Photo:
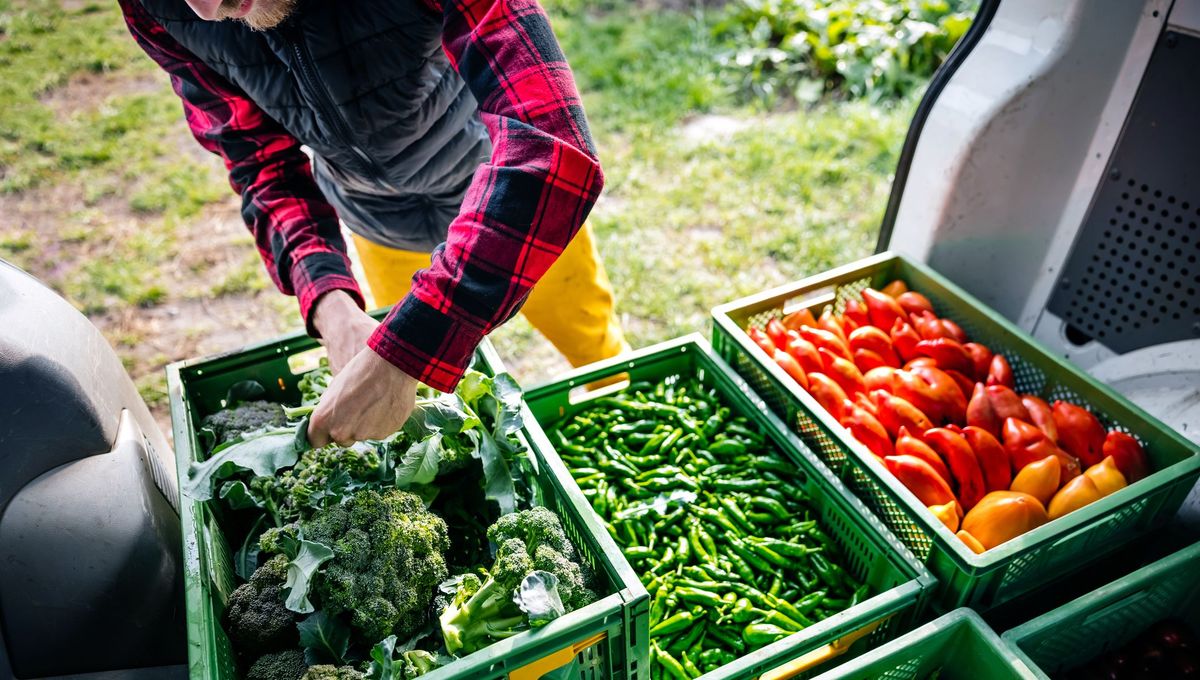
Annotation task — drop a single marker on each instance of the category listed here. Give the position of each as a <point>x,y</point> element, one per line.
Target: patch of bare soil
<point>85,90</point>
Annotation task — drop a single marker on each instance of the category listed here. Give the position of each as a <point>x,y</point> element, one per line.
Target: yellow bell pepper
<point>972,542</point>
<point>1003,515</point>
<point>1074,495</point>
<point>1039,479</point>
<point>949,513</point>
<point>1107,476</point>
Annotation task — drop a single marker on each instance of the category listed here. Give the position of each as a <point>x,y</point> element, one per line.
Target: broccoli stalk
<point>529,542</point>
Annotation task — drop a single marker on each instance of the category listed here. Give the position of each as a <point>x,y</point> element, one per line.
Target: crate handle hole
<point>601,387</point>
<point>811,300</point>
<point>303,362</point>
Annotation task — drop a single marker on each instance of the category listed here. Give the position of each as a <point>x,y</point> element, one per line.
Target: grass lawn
<point>108,199</point>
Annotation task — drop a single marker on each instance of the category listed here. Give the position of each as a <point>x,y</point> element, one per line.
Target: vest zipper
<point>327,108</point>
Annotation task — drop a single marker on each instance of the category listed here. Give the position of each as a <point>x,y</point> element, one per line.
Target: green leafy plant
<point>802,49</point>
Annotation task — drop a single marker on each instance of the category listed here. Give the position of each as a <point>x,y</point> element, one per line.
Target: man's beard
<point>264,14</point>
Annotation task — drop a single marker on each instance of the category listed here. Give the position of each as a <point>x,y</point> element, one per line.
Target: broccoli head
<point>314,383</point>
<point>249,416</point>
<point>528,541</point>
<point>323,472</point>
<point>286,665</point>
<point>550,550</point>
<point>389,557</point>
<point>256,617</point>
<point>330,672</point>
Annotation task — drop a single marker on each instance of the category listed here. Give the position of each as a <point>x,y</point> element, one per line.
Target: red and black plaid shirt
<point>521,209</point>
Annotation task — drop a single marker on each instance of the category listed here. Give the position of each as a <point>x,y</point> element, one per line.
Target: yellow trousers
<point>572,305</point>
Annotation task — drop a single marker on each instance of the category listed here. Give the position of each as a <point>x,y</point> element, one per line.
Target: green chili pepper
<point>686,641</point>
<point>729,641</point>
<point>772,506</point>
<point>739,484</point>
<point>726,447</point>
<point>831,574</point>
<point>735,513</point>
<point>696,596</point>
<point>689,667</point>
<point>743,551</point>
<point>710,546</point>
<point>763,634</point>
<point>671,667</point>
<point>674,623</point>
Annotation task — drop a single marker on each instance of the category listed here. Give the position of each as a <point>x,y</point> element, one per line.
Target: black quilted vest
<point>365,85</point>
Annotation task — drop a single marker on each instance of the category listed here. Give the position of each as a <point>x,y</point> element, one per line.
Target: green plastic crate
<point>959,645</point>
<point>900,585</point>
<point>607,639</point>
<point>1017,566</point>
<point>1108,618</point>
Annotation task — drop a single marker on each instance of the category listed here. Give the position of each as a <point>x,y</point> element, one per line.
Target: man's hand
<point>369,399</point>
<point>344,328</point>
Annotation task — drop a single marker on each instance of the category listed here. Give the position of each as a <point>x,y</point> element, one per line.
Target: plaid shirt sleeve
<point>294,227</point>
<point>522,207</point>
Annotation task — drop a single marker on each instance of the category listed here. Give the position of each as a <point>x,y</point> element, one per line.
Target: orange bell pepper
<point>1106,476</point>
<point>1002,516</point>
<point>972,542</point>
<point>949,513</point>
<point>1039,479</point>
<point>1075,494</point>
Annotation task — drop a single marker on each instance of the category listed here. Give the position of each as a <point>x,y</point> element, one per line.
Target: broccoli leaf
<point>498,482</point>
<point>497,398</point>
<point>447,414</point>
<point>507,394</point>
<point>245,560</point>
<point>538,597</point>
<point>325,638</point>
<point>238,496</point>
<point>419,464</point>
<point>383,666</point>
<point>301,569</point>
<point>263,453</point>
